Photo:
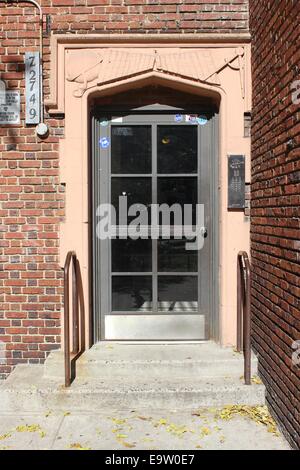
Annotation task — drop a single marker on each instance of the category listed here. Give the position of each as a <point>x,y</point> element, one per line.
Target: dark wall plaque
<point>236,182</point>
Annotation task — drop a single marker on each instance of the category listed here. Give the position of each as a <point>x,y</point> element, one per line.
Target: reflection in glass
<point>131,255</point>
<point>178,294</point>
<point>173,256</point>
<point>177,191</point>
<point>177,149</point>
<point>131,149</point>
<point>137,190</point>
<point>131,293</point>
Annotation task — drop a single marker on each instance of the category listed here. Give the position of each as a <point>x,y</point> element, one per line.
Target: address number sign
<point>32,84</point>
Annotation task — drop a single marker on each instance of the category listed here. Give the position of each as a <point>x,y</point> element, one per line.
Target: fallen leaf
<point>29,428</point>
<point>147,439</point>
<point>78,446</point>
<point>118,421</point>
<point>5,436</point>
<point>259,414</point>
<point>205,431</point>
<point>128,445</point>
<point>162,422</point>
<point>256,380</point>
<point>176,430</point>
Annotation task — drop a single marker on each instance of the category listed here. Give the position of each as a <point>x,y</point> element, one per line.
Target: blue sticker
<point>104,142</point>
<point>104,122</point>
<point>202,120</point>
<point>178,118</point>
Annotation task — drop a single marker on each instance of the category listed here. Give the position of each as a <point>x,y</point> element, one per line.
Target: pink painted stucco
<point>230,87</point>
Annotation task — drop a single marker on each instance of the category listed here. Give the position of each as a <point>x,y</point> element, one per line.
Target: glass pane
<point>173,256</point>
<point>177,149</point>
<point>131,293</point>
<point>137,190</point>
<point>177,191</point>
<point>178,294</point>
<point>131,149</point>
<point>131,255</point>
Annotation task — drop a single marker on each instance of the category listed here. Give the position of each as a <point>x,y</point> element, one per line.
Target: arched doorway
<point>154,145</point>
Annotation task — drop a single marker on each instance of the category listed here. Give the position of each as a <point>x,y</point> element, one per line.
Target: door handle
<point>204,232</point>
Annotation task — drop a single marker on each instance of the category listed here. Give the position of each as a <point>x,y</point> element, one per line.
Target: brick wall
<point>276,205</point>
<point>32,200</point>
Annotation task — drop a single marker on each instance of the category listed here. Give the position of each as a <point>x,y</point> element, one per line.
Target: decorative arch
<point>82,70</point>
<point>87,65</point>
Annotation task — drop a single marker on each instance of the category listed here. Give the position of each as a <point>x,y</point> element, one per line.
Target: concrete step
<point>27,389</point>
<point>190,361</point>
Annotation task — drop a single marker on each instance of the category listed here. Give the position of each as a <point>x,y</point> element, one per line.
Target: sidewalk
<point>229,428</point>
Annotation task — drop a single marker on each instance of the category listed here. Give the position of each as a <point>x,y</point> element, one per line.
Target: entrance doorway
<point>155,287</point>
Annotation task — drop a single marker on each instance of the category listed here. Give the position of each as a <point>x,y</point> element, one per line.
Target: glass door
<point>151,286</point>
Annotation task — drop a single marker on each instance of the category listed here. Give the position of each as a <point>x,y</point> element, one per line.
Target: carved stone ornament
<point>102,66</point>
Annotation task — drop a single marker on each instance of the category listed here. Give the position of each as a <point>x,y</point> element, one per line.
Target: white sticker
<point>2,92</point>
<point>104,122</point>
<point>10,111</point>
<point>191,118</point>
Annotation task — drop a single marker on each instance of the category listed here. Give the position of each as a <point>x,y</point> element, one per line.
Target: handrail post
<point>67,322</point>
<point>247,322</point>
<point>75,322</point>
<point>244,312</point>
<point>78,327</point>
<point>239,308</point>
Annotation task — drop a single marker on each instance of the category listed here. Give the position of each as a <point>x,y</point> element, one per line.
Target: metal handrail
<point>78,317</point>
<point>244,312</point>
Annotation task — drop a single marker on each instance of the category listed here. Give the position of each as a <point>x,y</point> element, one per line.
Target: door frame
<point>213,329</point>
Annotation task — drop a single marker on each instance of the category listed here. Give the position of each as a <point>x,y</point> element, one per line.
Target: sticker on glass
<point>104,142</point>
<point>104,122</point>
<point>178,118</point>
<point>191,118</point>
<point>202,120</point>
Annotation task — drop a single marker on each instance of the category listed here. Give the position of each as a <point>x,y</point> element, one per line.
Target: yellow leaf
<point>162,422</point>
<point>147,439</point>
<point>29,428</point>
<point>256,380</point>
<point>118,421</point>
<point>67,413</point>
<point>259,414</point>
<point>205,431</point>
<point>121,436</point>
<point>127,444</point>
<point>5,436</point>
<point>78,446</point>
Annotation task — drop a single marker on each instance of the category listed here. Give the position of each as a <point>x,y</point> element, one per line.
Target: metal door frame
<point>210,148</point>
